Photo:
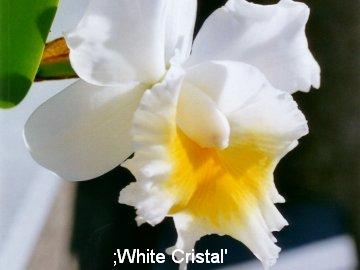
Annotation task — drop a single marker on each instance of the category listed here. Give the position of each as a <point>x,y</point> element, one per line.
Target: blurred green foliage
<point>24,27</point>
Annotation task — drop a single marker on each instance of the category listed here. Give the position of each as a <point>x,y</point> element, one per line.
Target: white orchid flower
<point>207,128</point>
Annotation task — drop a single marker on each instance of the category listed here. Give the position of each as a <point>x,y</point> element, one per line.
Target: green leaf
<point>55,63</point>
<point>24,27</point>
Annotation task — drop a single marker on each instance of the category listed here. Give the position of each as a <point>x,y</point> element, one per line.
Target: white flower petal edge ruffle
<point>153,127</point>
<point>271,38</point>
<point>268,113</point>
<point>84,131</point>
<point>125,42</point>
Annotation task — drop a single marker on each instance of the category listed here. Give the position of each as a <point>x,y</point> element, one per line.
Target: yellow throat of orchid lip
<point>215,185</point>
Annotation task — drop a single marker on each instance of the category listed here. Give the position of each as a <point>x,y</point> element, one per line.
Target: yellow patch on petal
<point>215,185</point>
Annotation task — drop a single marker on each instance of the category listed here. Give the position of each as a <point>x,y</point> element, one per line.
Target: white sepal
<point>84,131</point>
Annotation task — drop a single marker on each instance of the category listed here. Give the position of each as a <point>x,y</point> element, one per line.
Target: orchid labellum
<point>208,120</point>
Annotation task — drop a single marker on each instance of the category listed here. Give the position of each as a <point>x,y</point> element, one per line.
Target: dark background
<point>320,178</point>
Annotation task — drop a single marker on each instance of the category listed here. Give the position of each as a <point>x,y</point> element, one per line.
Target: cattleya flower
<point>208,120</point>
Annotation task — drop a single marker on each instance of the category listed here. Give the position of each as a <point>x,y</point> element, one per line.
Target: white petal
<point>201,120</point>
<point>154,122</point>
<point>257,237</point>
<point>229,84</point>
<point>180,24</point>
<point>120,42</point>
<point>84,131</point>
<point>271,38</point>
<point>274,193</point>
<point>271,113</point>
<point>274,220</point>
<point>152,205</point>
<point>189,232</point>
